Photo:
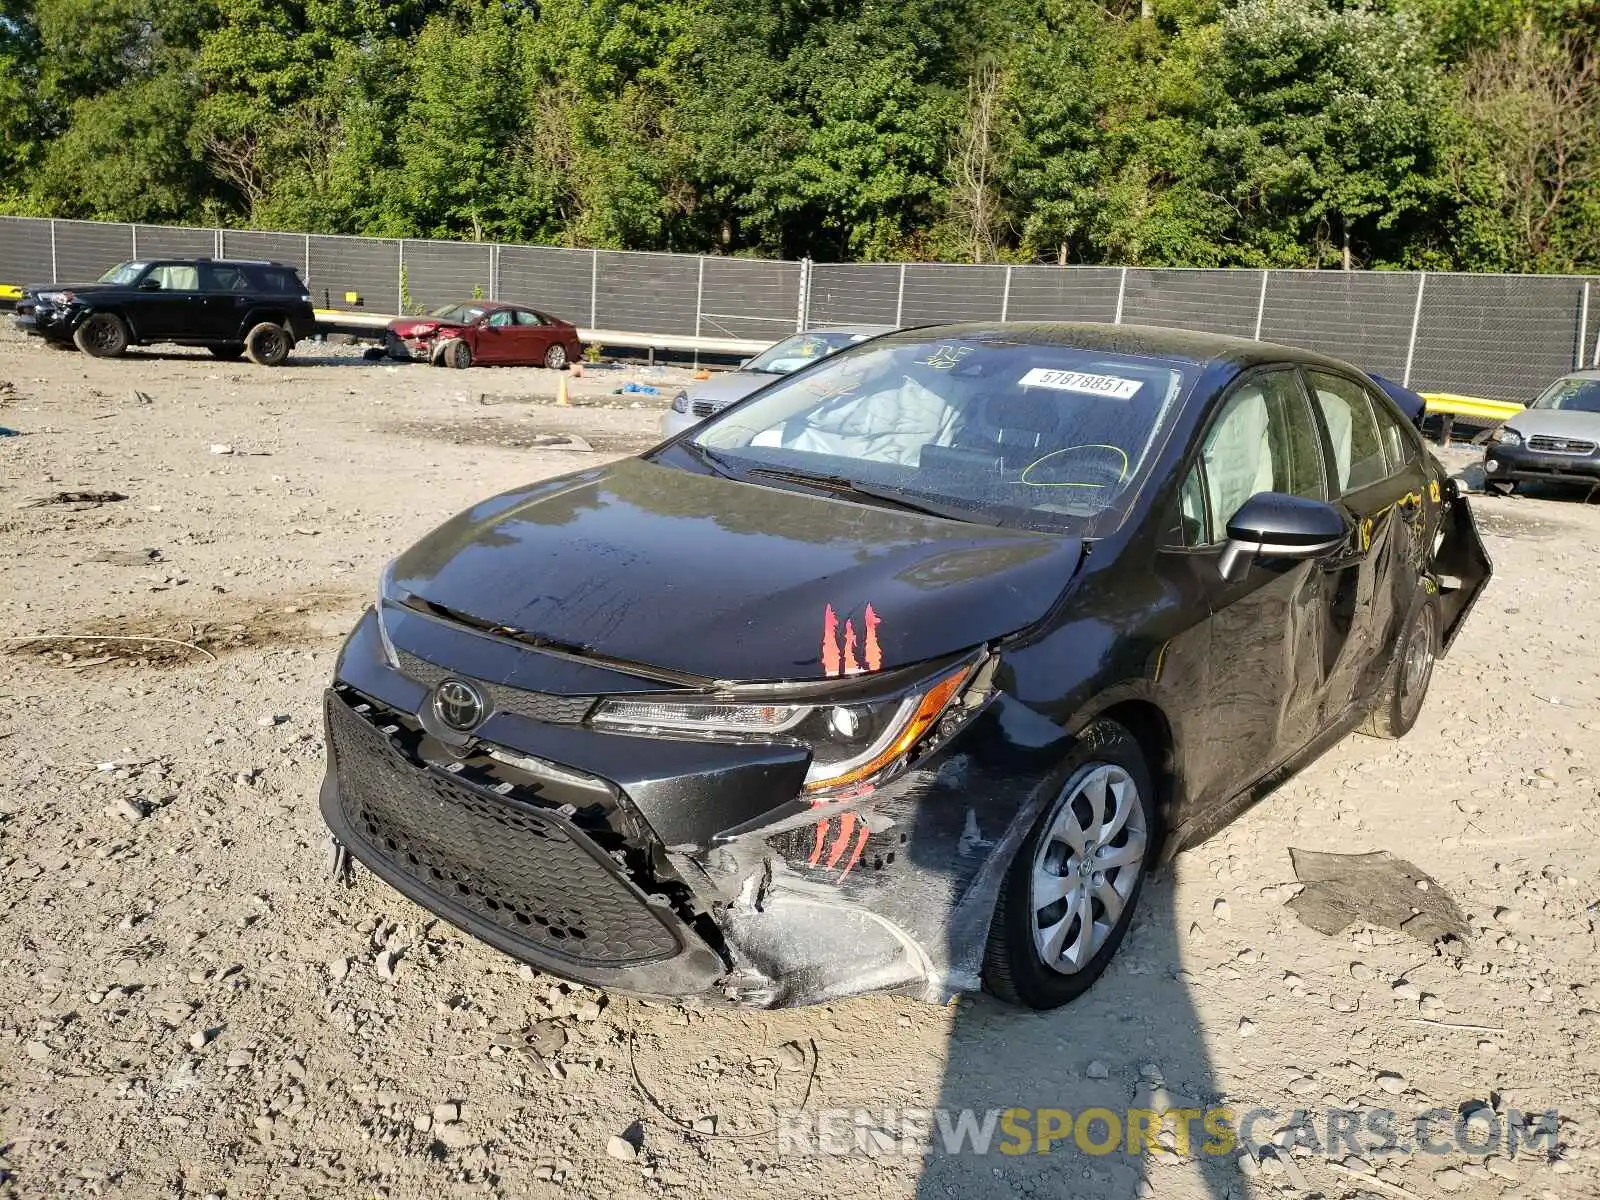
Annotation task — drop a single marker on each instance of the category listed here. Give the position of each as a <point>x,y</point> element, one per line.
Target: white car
<point>705,397</point>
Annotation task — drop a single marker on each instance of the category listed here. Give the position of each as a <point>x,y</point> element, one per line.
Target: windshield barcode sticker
<point>1076,381</point>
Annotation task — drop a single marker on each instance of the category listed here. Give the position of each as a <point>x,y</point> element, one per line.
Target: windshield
<point>123,273</point>
<point>1572,395</point>
<point>802,349</point>
<point>1027,433</point>
<point>465,314</point>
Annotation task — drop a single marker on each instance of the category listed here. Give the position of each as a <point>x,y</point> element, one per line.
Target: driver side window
<point>1264,439</point>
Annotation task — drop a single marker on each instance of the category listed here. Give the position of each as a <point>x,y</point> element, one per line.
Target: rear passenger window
<point>278,281</point>
<point>1397,447</point>
<point>1358,453</point>
<point>525,317</point>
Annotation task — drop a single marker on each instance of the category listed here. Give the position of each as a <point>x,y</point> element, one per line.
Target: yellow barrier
<point>10,291</point>
<point>1471,407</point>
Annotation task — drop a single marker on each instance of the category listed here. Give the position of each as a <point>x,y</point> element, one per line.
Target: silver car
<point>1557,437</point>
<point>708,396</point>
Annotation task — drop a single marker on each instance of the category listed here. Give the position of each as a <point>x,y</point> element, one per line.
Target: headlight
<point>1506,436</point>
<point>849,743</point>
<point>385,591</point>
<point>56,297</point>
<point>680,402</point>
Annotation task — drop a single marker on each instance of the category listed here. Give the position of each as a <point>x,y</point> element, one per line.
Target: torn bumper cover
<point>671,869</point>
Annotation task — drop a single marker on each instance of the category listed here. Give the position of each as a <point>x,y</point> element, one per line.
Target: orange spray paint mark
<point>855,854</point>
<point>851,666</point>
<point>822,836</point>
<point>830,643</point>
<point>874,655</point>
<point>847,823</point>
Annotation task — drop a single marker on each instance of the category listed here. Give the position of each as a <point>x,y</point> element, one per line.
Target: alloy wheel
<point>1087,866</point>
<point>1417,669</point>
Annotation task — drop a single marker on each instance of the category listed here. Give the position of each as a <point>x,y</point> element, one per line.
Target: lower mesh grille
<point>529,872</point>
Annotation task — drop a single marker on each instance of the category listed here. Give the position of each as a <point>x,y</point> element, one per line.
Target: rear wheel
<point>267,345</point>
<point>1070,895</point>
<point>1405,686</point>
<point>102,335</point>
<point>556,357</point>
<point>227,353</point>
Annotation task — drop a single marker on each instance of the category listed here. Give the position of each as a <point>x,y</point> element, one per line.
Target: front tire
<point>1405,684</point>
<point>267,345</point>
<point>556,357</point>
<point>103,335</point>
<point>1070,895</point>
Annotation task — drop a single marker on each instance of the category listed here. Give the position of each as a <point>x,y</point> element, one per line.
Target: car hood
<point>724,389</point>
<point>732,581</point>
<point>408,326</point>
<point>1552,422</point>
<point>78,289</point>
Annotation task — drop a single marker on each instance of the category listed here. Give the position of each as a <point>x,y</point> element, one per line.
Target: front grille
<point>536,706</point>
<point>706,408</point>
<point>1560,445</point>
<point>525,870</point>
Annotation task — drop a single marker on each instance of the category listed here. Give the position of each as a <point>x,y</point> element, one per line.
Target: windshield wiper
<point>891,496</point>
<point>719,463</point>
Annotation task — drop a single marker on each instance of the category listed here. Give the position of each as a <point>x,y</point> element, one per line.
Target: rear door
<point>167,302</point>
<point>225,291</point>
<point>1381,481</point>
<point>1264,669</point>
<point>537,336</point>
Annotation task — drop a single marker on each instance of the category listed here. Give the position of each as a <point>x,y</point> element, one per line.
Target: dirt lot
<point>189,1007</point>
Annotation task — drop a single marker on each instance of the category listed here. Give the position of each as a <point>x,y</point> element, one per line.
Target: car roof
<point>1586,373</point>
<point>1149,340</point>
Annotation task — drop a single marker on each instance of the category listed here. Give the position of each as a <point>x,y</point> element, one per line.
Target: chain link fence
<point>1494,336</point>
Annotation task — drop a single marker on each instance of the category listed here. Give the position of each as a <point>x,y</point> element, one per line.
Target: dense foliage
<point>1444,133</point>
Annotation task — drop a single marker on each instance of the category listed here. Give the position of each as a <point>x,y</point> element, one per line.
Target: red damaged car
<point>484,332</point>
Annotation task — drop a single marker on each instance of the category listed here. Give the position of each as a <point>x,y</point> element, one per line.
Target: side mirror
<point>149,284</point>
<point>1277,525</point>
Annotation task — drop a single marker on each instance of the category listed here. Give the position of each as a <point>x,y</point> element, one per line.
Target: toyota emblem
<point>458,704</point>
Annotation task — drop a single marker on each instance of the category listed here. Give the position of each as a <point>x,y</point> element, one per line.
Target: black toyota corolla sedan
<point>901,674</point>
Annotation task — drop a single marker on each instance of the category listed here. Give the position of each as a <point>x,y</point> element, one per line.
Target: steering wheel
<point>1094,467</point>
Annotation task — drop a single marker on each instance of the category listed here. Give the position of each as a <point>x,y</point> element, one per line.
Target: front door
<point>167,302</point>
<point>497,335</point>
<point>1264,668</point>
<point>1382,486</point>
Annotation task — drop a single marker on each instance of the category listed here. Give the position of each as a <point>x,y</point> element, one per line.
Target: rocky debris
<point>621,1149</point>
<point>1097,1070</point>
<point>1391,1082</point>
<point>791,1056</point>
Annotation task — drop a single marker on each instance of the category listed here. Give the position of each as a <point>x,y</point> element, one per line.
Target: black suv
<point>230,307</point>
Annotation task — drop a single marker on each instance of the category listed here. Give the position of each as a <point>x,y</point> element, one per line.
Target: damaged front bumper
<point>671,869</point>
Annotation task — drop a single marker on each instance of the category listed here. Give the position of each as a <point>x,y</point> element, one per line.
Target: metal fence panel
<point>748,298</point>
<point>86,250</point>
<point>171,241</point>
<point>286,248</point>
<point>438,273</point>
<point>1210,301</point>
<point>548,278</point>
<point>854,294</point>
<point>25,251</point>
<point>370,267</point>
<point>646,293</point>
<point>946,292</point>
<point>1361,317</point>
<point>1501,337</point>
<point>1063,293</point>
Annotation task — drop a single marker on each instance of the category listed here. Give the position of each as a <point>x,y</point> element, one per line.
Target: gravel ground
<point>188,1007</point>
